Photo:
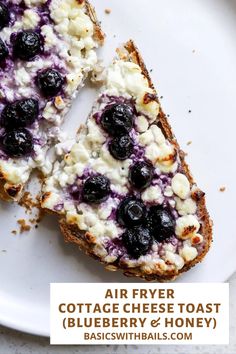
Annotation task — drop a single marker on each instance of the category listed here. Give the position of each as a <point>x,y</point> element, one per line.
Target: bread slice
<point>69,33</point>
<point>99,229</point>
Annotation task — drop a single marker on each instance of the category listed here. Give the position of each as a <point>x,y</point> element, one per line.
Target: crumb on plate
<point>27,201</point>
<point>24,227</point>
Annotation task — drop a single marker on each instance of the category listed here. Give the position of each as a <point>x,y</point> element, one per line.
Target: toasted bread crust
<point>8,191</point>
<point>74,235</point>
<point>12,193</point>
<point>99,35</point>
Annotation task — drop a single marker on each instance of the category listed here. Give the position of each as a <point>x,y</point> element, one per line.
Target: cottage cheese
<point>90,155</point>
<point>181,185</point>
<point>187,206</point>
<point>69,45</point>
<point>187,226</point>
<point>30,19</point>
<point>126,78</point>
<point>153,194</point>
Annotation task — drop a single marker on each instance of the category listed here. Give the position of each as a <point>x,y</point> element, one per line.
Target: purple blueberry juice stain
<point>174,241</point>
<point>112,216</point>
<point>15,10</point>
<point>2,155</point>
<point>58,207</point>
<point>115,247</point>
<point>116,195</point>
<point>138,153</point>
<point>44,14</point>
<point>75,192</point>
<point>200,248</point>
<point>111,99</point>
<point>87,173</point>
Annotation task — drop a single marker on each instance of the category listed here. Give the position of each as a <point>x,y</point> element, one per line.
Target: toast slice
<point>124,193</point>
<point>47,48</point>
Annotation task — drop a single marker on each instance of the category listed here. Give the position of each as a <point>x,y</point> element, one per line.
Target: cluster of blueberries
<point>17,140</point>
<point>143,225</point>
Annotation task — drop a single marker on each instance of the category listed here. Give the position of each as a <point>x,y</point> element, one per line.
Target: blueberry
<point>26,45</point>
<point>20,113</point>
<point>118,119</point>
<point>17,143</point>
<point>161,222</point>
<point>96,189</point>
<point>141,174</point>
<point>3,50</point>
<point>50,82</point>
<point>131,212</point>
<point>4,15</point>
<point>137,241</point>
<point>28,110</point>
<point>121,147</point>
<point>9,116</point>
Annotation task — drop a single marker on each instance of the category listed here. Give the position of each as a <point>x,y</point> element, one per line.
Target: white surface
<point>190,45</point>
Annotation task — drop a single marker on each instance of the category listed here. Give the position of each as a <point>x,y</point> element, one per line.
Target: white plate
<point>190,45</point>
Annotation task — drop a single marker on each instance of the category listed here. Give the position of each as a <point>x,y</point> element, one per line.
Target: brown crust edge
<point>99,35</point>
<point>74,235</point>
<point>10,192</point>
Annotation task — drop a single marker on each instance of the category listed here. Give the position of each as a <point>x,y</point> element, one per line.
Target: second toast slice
<point>124,193</point>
